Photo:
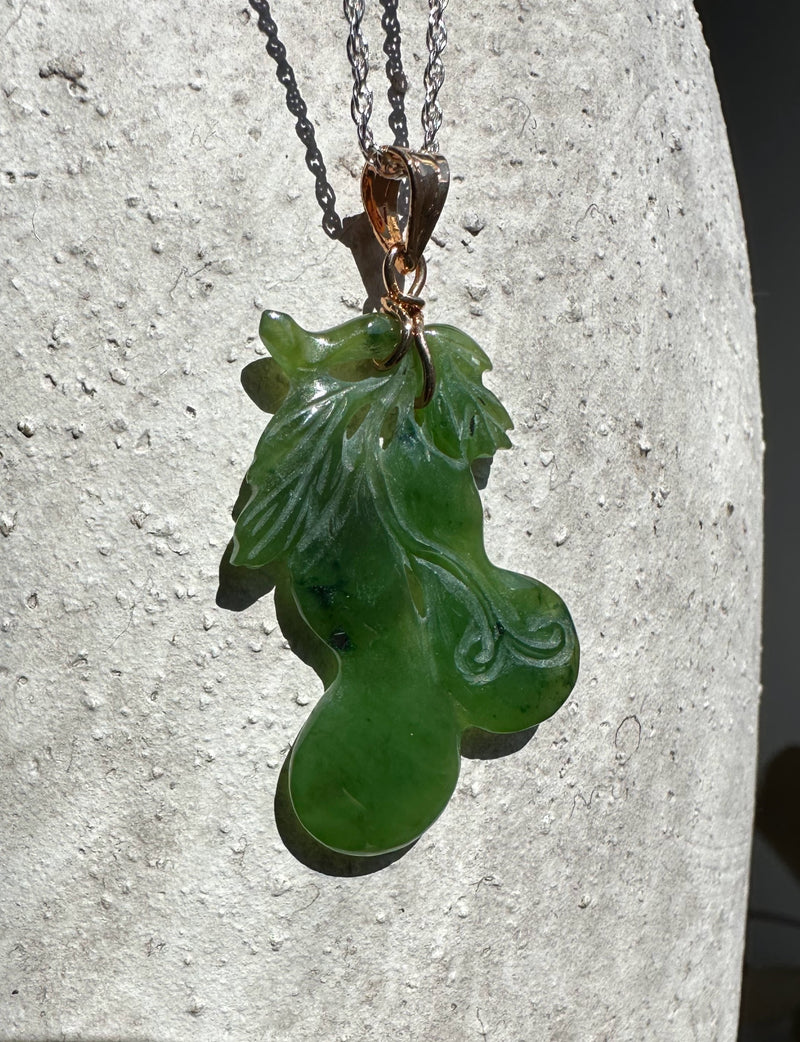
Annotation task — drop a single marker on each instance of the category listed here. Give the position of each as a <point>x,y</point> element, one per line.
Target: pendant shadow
<point>477,744</point>
<point>481,469</point>
<point>314,855</point>
<point>358,236</point>
<point>265,384</point>
<point>238,588</point>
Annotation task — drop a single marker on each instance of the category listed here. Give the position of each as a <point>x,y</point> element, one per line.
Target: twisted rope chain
<point>358,55</point>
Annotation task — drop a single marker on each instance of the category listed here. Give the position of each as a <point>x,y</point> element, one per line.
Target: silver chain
<point>358,55</point>
<point>434,75</point>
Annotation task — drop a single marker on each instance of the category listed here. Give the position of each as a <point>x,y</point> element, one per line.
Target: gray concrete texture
<point>588,887</point>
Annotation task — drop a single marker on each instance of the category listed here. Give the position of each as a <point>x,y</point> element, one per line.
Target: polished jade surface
<point>370,508</point>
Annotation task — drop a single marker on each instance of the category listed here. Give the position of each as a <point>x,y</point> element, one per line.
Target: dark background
<point>755,50</point>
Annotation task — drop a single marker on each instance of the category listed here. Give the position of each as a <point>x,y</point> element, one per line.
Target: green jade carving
<point>371,510</point>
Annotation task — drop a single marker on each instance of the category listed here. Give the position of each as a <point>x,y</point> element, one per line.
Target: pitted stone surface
<point>590,886</point>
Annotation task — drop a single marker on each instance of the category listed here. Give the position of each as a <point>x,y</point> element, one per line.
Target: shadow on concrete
<point>304,128</point>
<point>355,233</point>
<point>314,855</point>
<point>477,744</point>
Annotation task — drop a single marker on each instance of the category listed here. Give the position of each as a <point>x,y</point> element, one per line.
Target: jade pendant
<point>369,509</point>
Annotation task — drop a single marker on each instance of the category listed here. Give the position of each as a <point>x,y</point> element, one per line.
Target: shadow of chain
<point>326,197</point>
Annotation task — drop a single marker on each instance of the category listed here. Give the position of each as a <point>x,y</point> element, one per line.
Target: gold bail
<point>382,182</point>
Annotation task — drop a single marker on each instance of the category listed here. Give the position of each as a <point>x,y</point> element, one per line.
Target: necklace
<point>361,503</point>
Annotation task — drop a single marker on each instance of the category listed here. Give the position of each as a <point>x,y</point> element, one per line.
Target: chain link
<point>434,75</point>
<point>358,56</point>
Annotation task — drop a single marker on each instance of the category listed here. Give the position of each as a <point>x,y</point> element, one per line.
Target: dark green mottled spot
<point>339,640</point>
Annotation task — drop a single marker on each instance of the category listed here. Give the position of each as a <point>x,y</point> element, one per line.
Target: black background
<point>755,51</point>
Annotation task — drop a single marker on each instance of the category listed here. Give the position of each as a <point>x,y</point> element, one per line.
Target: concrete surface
<point>588,887</point>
